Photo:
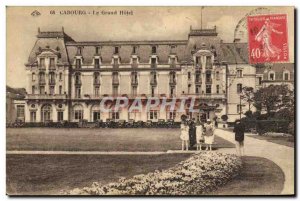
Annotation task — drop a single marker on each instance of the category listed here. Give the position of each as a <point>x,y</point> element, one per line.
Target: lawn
<point>259,176</point>
<point>139,139</point>
<point>286,141</point>
<point>48,174</point>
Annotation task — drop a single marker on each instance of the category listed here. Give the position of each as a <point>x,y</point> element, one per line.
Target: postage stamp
<point>267,38</point>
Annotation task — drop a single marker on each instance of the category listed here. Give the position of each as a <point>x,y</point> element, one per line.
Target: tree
<point>248,96</point>
<point>272,99</point>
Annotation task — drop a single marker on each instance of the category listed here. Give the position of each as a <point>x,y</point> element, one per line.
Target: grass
<point>48,174</point>
<point>140,139</point>
<point>286,141</point>
<point>259,176</point>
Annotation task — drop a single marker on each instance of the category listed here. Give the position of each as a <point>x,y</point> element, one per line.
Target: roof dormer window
<point>134,49</point>
<point>116,50</point>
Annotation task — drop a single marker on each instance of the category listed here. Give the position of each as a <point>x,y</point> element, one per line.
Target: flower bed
<point>201,173</point>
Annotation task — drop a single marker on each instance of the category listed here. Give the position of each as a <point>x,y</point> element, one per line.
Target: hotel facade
<point>67,79</point>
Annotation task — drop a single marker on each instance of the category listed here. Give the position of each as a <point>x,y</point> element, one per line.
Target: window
<point>153,114</point>
<point>189,75</point>
<point>60,89</point>
<point>79,50</point>
<point>238,108</point>
<point>134,48</point>
<point>60,116</point>
<point>134,90</point>
<point>172,60</point>
<point>197,60</point>
<point>208,77</point>
<point>189,88</point>
<point>272,76</point>
<point>239,73</point>
<point>218,75</point>
<point>197,77</point>
<point>172,115</point>
<point>198,89</point>
<point>77,79</point>
<point>78,92</point>
<point>115,61</point>
<point>46,113</point>
<point>96,91</point>
<point>33,77</point>
<point>115,115</point>
<point>97,50</point>
<point>218,89</point>
<point>97,63</point>
<point>153,50</point>
<point>42,62</point>
<point>115,90</point>
<point>51,89</point>
<point>52,62</point>
<point>33,90</point>
<point>60,76</point>
<point>42,90</point>
<point>208,62</point>
<point>286,76</point>
<point>51,78</point>
<point>239,88</point>
<point>153,60</point>
<point>20,111</point>
<point>152,91</point>
<point>208,89</point>
<point>172,91</point>
<point>78,112</point>
<point>116,50</point>
<point>96,78</point>
<point>32,116</point>
<point>134,60</point>
<point>259,80</point>
<point>78,63</point>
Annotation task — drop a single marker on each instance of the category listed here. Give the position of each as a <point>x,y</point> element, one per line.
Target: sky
<point>146,23</point>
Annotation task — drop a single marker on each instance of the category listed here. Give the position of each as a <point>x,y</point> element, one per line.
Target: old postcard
<point>175,101</point>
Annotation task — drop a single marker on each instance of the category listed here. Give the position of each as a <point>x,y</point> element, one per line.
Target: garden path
<point>282,155</point>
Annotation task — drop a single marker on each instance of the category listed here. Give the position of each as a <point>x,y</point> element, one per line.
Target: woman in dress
<point>199,135</point>
<point>184,136</point>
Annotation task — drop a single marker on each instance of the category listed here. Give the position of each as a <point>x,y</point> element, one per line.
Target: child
<point>199,135</point>
<point>209,134</point>
<point>184,136</point>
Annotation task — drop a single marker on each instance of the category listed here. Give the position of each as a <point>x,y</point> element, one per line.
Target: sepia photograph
<point>150,101</point>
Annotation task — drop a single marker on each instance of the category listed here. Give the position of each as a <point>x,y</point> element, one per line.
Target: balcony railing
<point>52,82</point>
<point>153,65</point>
<point>96,82</point>
<point>42,82</point>
<point>208,81</point>
<point>115,81</point>
<point>172,82</point>
<point>153,82</point>
<point>46,96</point>
<point>134,82</point>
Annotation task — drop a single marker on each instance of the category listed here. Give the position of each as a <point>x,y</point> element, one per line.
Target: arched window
<point>271,75</point>
<point>286,75</point>
<point>46,113</point>
<point>77,112</point>
<point>95,111</point>
<point>239,88</point>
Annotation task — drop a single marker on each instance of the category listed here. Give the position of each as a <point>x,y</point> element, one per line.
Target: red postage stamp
<point>267,38</point>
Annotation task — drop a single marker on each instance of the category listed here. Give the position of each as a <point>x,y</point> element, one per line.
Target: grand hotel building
<point>66,79</point>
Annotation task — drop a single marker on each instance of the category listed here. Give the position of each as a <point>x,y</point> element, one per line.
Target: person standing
<point>199,135</point>
<point>192,133</point>
<point>239,131</point>
<point>209,135</point>
<point>184,136</point>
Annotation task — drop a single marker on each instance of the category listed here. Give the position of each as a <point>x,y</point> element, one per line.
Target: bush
<point>291,128</point>
<point>200,174</point>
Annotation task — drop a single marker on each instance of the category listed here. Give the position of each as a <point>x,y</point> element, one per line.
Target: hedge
<point>201,173</point>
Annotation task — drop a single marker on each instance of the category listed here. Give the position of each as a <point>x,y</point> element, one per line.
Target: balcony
<point>134,82</point>
<point>52,82</point>
<point>46,96</point>
<point>52,67</point>
<point>42,82</point>
<point>78,82</point>
<point>153,82</point>
<point>96,82</point>
<point>198,66</point>
<point>172,82</point>
<point>42,67</point>
<point>153,65</point>
<point>208,81</point>
<point>134,65</point>
<point>115,81</point>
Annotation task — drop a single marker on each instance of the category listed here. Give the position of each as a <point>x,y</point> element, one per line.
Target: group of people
<point>197,133</point>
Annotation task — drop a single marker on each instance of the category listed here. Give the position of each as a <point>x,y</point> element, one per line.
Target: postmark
<point>267,38</point>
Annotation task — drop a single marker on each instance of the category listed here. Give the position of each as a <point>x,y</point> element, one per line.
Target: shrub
<point>224,117</point>
<point>291,128</point>
<point>201,173</point>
